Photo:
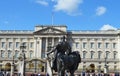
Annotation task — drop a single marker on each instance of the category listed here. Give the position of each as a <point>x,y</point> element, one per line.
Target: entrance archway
<point>92,67</point>
<point>36,65</point>
<point>7,67</point>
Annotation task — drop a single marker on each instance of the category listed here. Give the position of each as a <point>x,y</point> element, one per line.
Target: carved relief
<point>49,30</point>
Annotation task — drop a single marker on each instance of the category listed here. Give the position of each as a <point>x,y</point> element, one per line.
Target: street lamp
<point>22,47</point>
<point>13,64</point>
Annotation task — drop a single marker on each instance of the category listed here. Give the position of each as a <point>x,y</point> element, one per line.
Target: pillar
<point>39,48</point>
<point>35,47</point>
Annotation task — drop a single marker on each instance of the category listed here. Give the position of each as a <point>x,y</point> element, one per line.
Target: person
<point>62,47</point>
<point>38,74</point>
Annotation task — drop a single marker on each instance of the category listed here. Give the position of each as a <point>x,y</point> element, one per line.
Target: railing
<point>100,60</point>
<point>83,60</point>
<point>94,31</point>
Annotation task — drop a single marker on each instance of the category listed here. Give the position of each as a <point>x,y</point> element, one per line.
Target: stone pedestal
<point>49,71</point>
<point>12,70</point>
<point>105,69</point>
<point>21,68</point>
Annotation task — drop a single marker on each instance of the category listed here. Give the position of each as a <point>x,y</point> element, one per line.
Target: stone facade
<point>96,48</point>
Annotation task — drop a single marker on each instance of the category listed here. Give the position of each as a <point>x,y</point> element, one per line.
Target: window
<point>114,45</point>
<point>99,45</point>
<point>31,45</point>
<point>9,53</point>
<point>107,54</point>
<point>16,54</point>
<point>2,54</point>
<point>31,53</point>
<point>84,54</point>
<point>24,44</point>
<point>99,54</point>
<point>77,45</point>
<point>17,45</point>
<point>114,54</point>
<point>10,44</point>
<point>3,44</point>
<point>84,45</point>
<point>91,45</point>
<point>107,45</point>
<point>92,54</point>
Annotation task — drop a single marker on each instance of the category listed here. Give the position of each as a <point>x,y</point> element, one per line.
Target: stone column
<point>39,48</point>
<point>53,41</point>
<point>46,44</point>
<point>35,47</point>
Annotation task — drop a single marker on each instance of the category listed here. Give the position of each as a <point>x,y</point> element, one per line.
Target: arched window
<point>107,54</point>
<point>9,54</point>
<point>16,54</point>
<point>114,54</point>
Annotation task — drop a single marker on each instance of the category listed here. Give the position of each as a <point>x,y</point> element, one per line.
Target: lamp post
<point>13,64</point>
<point>35,65</point>
<point>22,47</point>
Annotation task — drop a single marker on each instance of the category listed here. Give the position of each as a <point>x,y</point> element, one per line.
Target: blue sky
<point>75,14</point>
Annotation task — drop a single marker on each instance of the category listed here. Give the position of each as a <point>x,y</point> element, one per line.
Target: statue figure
<point>65,59</point>
<point>62,47</point>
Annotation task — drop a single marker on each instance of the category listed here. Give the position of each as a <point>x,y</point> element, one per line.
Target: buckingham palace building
<point>97,48</point>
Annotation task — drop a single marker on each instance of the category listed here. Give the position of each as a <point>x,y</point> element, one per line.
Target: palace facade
<point>98,48</point>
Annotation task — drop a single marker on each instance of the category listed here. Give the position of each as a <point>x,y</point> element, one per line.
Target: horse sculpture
<point>68,63</point>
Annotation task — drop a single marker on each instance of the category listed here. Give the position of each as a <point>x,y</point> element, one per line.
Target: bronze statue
<point>64,58</point>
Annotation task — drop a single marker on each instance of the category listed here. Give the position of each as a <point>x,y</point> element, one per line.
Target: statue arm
<point>51,51</point>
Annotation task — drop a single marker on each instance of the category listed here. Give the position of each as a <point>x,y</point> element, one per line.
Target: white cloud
<point>100,11</point>
<point>108,27</point>
<point>68,6</point>
<point>42,2</point>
